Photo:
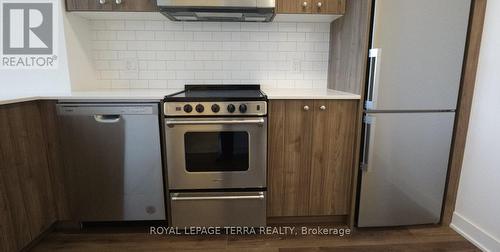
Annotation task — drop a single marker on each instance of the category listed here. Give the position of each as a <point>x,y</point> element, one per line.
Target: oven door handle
<point>176,121</point>
<point>241,197</point>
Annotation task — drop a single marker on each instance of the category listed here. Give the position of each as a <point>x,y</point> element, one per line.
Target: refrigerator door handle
<point>369,123</point>
<point>374,56</point>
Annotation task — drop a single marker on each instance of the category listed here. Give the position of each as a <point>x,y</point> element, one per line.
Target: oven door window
<point>225,151</point>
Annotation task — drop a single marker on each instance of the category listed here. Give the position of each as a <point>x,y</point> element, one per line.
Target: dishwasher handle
<point>107,118</point>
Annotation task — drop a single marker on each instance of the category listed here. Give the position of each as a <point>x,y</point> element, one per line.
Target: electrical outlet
<point>296,65</point>
<point>131,64</point>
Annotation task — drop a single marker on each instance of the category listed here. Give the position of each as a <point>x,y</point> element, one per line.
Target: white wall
<point>28,82</point>
<point>165,54</point>
<point>477,212</point>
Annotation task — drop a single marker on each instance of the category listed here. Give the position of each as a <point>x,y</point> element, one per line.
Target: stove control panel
<point>234,108</point>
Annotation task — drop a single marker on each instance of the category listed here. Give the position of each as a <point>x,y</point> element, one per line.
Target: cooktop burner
<point>218,93</point>
<point>217,100</point>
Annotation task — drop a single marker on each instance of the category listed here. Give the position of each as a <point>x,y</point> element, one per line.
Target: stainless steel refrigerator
<point>414,77</point>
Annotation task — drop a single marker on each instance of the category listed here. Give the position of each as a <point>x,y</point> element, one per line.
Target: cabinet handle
<point>322,107</point>
<point>102,1</point>
<point>118,1</point>
<point>306,108</point>
<point>320,4</point>
<point>304,4</point>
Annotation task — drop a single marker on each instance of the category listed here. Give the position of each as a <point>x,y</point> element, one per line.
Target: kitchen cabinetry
<point>111,5</point>
<point>311,157</point>
<point>336,7</point>
<point>30,199</point>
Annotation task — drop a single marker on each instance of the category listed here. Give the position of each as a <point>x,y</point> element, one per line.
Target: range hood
<point>218,10</point>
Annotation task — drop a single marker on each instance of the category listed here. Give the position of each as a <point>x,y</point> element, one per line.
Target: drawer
<point>218,209</point>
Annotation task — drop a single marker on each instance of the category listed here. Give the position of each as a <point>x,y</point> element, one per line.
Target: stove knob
<point>188,108</point>
<point>215,108</point>
<point>199,108</point>
<point>231,108</point>
<point>243,108</point>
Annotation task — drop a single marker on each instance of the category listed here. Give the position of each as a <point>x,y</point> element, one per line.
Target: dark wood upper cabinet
<point>135,5</point>
<point>293,6</point>
<point>112,5</point>
<point>88,5</point>
<point>336,7</point>
<point>328,7</point>
<point>311,157</point>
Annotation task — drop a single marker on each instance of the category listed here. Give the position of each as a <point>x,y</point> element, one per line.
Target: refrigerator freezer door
<point>404,177</point>
<point>421,48</point>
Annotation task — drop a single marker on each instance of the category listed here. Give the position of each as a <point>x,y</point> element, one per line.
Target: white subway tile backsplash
<point>139,84</point>
<point>152,25</point>
<point>278,36</point>
<point>204,55</point>
<point>146,55</point>
<point>322,27</point>
<point>193,65</point>
<point>137,25</point>
<point>117,65</point>
<point>156,65</point>
<point>192,26</point>
<point>317,36</point>
<point>136,45</point>
<point>165,54</point>
<point>173,26</point>
<point>183,36</point>
<point>147,75</point>
<point>211,26</point>
<point>174,45</point>
<point>164,35</point>
<point>155,45</point>
<point>229,26</point>
<point>120,84</point>
<point>115,25</point>
<point>106,35</point>
<point>117,45</point>
<point>145,35</point>
<point>287,27</point>
<point>296,36</point>
<point>221,36</point>
<point>129,75</point>
<point>110,75</point>
<point>203,36</point>
<point>158,84</point>
<point>259,36</point>
<point>166,75</point>
<point>125,35</point>
<point>212,46</point>
<point>305,27</point>
<point>287,46</point>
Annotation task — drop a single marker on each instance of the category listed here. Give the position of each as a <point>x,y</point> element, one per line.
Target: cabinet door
<point>328,7</point>
<point>289,162</point>
<point>332,157</point>
<point>88,5</point>
<point>134,5</point>
<point>293,6</point>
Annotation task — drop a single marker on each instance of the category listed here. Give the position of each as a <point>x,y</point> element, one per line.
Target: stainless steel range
<point>216,148</point>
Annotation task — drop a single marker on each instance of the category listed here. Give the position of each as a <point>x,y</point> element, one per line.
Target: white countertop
<point>158,94</point>
<point>307,94</point>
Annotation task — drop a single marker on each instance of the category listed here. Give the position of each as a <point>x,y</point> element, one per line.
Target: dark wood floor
<point>400,239</point>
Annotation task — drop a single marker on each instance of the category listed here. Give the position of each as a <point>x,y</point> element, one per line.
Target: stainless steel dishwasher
<point>112,161</point>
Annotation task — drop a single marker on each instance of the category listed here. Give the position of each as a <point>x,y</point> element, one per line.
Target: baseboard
<point>479,237</point>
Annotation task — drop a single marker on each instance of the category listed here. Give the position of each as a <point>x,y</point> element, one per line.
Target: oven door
<point>216,153</point>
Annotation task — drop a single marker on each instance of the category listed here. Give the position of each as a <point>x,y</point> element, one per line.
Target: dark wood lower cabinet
<point>311,157</point>
<point>28,195</point>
